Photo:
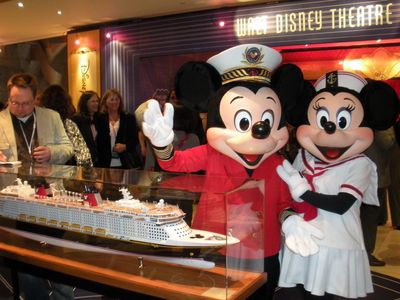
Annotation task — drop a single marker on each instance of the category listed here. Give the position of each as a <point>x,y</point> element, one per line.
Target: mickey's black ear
<point>297,115</point>
<point>294,93</point>
<point>287,81</point>
<point>381,105</point>
<point>195,84</point>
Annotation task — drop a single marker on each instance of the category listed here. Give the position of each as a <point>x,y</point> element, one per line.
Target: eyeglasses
<point>21,104</point>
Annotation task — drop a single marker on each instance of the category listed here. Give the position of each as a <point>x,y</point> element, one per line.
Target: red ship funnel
<point>41,192</point>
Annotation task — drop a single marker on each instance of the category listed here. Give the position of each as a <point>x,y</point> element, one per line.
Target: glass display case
<point>173,236</point>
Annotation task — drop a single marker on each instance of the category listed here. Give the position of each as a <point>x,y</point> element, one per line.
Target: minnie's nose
<point>330,127</point>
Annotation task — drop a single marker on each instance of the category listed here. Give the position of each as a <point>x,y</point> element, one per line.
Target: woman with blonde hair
<point>117,136</point>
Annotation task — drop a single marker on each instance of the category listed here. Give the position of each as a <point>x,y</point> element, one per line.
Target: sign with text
<point>320,21</point>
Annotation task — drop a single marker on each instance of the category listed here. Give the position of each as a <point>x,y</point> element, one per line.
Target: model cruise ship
<point>128,219</point>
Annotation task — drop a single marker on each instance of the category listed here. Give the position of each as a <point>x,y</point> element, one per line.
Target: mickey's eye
<point>268,117</point>
<point>343,119</point>
<point>242,121</point>
<point>322,117</point>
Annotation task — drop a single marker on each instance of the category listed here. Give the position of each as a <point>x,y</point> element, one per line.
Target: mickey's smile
<point>250,159</point>
<point>332,152</point>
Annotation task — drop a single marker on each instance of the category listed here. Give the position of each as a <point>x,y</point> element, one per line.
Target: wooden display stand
<point>125,272</point>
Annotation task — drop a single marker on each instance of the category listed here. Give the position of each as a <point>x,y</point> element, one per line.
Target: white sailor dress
<point>341,266</point>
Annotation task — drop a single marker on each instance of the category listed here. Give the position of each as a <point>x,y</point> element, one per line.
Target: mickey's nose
<point>260,130</point>
<point>330,127</point>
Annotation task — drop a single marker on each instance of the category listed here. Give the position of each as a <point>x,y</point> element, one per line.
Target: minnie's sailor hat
<point>342,79</point>
<point>248,62</point>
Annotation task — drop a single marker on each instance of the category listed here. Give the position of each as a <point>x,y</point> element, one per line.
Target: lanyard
<point>29,146</point>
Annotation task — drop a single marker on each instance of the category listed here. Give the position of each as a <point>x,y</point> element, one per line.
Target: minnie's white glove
<point>297,184</point>
<point>157,126</point>
<point>299,236</point>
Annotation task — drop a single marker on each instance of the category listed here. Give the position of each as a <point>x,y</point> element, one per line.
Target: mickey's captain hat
<point>248,62</point>
<point>341,79</point>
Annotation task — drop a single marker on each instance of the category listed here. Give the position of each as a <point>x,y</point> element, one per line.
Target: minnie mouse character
<point>245,130</point>
<point>335,125</point>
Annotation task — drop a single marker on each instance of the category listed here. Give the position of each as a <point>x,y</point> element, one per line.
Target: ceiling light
<point>59,12</point>
<point>77,42</point>
<point>108,35</point>
<point>20,4</point>
<point>221,23</point>
<point>378,40</point>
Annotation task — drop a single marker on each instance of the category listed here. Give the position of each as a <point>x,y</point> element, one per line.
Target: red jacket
<point>211,211</point>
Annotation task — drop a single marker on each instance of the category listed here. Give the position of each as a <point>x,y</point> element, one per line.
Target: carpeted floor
<point>385,288</point>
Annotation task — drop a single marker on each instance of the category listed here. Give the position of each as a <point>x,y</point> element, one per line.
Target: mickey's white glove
<point>297,184</point>
<point>157,126</point>
<point>299,236</point>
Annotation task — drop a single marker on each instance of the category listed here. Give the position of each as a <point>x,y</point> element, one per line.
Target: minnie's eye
<point>322,117</point>
<point>242,121</point>
<point>268,117</point>
<point>343,119</point>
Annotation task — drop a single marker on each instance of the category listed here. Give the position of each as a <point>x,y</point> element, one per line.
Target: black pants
<point>266,291</point>
<point>383,216</point>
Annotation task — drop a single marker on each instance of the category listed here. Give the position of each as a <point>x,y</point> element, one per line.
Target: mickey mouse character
<point>335,125</point>
<point>245,130</point>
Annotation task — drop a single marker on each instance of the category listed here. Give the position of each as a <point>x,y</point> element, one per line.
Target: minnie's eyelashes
<point>350,108</point>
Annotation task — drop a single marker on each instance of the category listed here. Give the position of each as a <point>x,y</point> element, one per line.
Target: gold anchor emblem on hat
<point>332,78</point>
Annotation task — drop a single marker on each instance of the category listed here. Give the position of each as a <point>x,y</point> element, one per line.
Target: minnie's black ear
<point>195,84</point>
<point>381,105</point>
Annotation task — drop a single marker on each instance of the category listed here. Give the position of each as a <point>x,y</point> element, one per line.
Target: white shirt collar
<point>24,119</point>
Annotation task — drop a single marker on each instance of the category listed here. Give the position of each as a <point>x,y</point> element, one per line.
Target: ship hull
<point>110,243</point>
<point>110,230</point>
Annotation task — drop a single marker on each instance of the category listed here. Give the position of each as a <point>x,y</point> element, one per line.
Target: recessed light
<point>108,35</point>
<point>77,42</point>
<point>20,4</point>
<point>59,12</point>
